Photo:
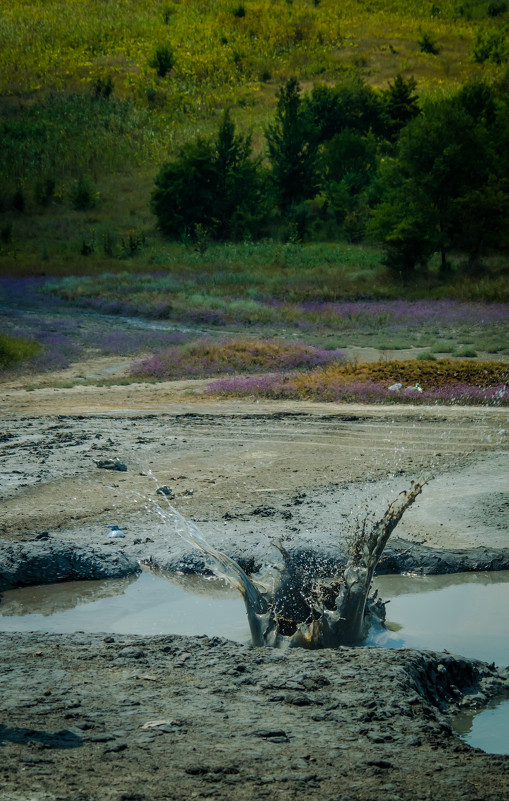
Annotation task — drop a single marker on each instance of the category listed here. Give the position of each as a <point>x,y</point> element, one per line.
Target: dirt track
<point>235,722</point>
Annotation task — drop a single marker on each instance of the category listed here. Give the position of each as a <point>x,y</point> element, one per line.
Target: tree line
<point>420,176</point>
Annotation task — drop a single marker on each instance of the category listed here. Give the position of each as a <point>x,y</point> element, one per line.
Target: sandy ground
<point>76,708</point>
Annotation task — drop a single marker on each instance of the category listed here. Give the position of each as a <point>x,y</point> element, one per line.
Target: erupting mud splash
<point>300,609</point>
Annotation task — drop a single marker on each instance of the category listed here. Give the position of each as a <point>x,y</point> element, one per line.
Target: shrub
<point>44,190</point>
<point>16,349</point>
<point>132,243</point>
<point>18,200</point>
<point>428,44</point>
<point>163,60</point>
<point>88,244</point>
<point>207,357</point>
<point>497,8</point>
<point>441,382</point>
<point>490,47</point>
<point>6,233</point>
<point>103,87</point>
<point>168,12</point>
<point>83,194</point>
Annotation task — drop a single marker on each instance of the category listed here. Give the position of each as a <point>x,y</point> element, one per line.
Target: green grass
<point>56,126</point>
<point>16,350</point>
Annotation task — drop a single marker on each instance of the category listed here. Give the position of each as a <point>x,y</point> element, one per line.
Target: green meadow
<point>97,96</point>
<point>89,115</point>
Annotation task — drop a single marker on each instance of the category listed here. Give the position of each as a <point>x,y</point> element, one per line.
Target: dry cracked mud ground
<point>132,718</point>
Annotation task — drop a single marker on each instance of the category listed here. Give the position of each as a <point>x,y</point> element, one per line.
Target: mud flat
<point>93,717</point>
<point>132,718</point>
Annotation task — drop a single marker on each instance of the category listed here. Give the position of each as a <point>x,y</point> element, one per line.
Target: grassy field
<point>95,96</point>
<point>79,98</point>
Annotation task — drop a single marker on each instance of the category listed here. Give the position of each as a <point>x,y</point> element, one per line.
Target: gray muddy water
<point>486,728</point>
<point>463,613</point>
<point>148,604</point>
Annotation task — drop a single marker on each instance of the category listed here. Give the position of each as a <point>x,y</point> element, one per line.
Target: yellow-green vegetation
<point>219,44</point>
<point>15,350</point>
<point>428,374</point>
<point>95,95</point>
<point>446,382</point>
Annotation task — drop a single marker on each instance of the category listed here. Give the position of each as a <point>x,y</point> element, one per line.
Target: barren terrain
<point>160,718</point>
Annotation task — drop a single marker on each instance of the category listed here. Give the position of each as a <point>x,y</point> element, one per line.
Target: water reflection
<point>486,728</point>
<point>461,613</point>
<point>48,599</point>
<point>149,604</point>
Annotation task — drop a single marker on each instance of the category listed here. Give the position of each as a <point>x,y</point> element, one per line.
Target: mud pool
<point>148,604</point>
<point>486,728</point>
<point>460,613</point>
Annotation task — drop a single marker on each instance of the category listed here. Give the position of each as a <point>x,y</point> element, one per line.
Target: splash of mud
<point>299,609</point>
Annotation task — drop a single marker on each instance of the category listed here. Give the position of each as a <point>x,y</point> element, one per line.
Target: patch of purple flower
<point>65,339</point>
<point>277,386</point>
<point>207,357</point>
<point>175,297</point>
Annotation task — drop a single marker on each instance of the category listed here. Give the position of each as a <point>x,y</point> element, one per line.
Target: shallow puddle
<point>486,728</point>
<point>148,604</point>
<point>463,613</point>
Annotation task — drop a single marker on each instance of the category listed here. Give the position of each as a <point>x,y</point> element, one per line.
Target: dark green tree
<point>215,185</point>
<point>400,104</point>
<point>446,163</point>
<point>186,190</point>
<point>292,149</point>
<point>351,104</point>
<point>348,161</point>
<point>240,202</point>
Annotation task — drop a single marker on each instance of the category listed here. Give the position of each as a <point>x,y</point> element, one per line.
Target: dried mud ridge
<point>127,718</point>
<point>45,561</point>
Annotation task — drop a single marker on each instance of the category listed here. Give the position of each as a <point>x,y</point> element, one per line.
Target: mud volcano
<point>303,609</point>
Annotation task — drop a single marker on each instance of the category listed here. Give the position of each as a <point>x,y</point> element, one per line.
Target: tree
<point>349,105</point>
<point>215,185</point>
<point>400,105</point>
<point>240,201</point>
<point>349,161</point>
<point>445,164</point>
<point>292,149</point>
<point>186,190</point>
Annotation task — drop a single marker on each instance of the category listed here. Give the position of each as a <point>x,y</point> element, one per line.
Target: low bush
<point>207,357</point>
<point>15,350</point>
<point>441,382</point>
<point>163,60</point>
